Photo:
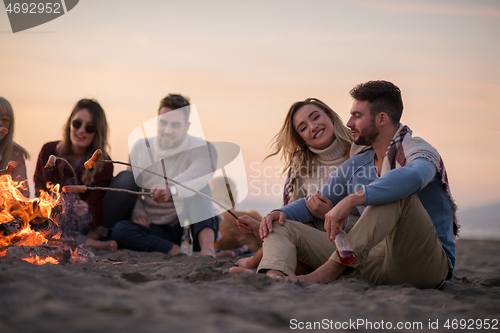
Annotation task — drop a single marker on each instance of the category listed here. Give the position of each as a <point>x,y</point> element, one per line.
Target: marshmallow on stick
<point>51,161</point>
<point>11,165</point>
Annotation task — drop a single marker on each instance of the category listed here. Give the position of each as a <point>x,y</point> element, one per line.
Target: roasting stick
<point>97,154</point>
<point>83,188</point>
<point>51,162</point>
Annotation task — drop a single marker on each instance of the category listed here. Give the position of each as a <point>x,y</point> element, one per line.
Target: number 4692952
<point>33,8</point>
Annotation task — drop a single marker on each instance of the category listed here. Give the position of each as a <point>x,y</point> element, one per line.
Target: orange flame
<point>39,261</point>
<point>16,207</point>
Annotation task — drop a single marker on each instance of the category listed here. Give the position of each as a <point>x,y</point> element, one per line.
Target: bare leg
<point>206,238</point>
<point>94,235</point>
<point>327,272</point>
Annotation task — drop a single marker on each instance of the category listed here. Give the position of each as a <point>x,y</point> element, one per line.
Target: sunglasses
<point>88,128</point>
<point>176,100</point>
<point>5,121</point>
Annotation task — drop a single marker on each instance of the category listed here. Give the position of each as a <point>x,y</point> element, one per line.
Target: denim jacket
<point>419,176</point>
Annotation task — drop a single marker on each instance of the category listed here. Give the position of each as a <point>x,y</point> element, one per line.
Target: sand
<point>127,291</point>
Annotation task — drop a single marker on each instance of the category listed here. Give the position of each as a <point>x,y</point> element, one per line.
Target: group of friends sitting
<point>370,177</point>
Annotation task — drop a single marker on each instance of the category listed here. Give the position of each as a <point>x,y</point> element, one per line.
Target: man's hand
<point>143,220</point>
<point>335,218</point>
<point>160,194</point>
<point>266,225</point>
<point>81,208</point>
<point>319,205</point>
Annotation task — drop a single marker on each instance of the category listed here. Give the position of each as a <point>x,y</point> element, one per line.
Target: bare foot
<point>275,274</point>
<point>327,272</point>
<point>239,270</point>
<point>100,245</point>
<point>246,263</point>
<point>224,254</point>
<point>208,252</point>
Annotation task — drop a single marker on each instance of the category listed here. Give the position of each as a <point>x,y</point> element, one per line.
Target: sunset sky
<point>243,63</point>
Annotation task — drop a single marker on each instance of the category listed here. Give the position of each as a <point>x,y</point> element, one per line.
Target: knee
<point>124,179</point>
<point>123,229</point>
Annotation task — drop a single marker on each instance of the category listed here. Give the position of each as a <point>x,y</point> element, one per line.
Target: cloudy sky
<point>243,63</point>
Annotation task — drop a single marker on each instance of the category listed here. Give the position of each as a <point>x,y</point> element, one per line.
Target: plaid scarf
<point>404,148</point>
<point>289,183</point>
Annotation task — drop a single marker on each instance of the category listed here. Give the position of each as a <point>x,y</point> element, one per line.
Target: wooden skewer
<point>91,164</point>
<point>83,188</point>
<point>51,162</point>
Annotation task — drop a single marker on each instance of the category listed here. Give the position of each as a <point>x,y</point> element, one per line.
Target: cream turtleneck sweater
<point>326,163</point>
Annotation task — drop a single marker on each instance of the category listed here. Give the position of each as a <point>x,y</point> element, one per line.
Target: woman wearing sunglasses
<point>9,150</point>
<point>85,131</point>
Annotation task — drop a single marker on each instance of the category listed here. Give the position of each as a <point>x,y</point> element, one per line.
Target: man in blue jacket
<point>407,226</point>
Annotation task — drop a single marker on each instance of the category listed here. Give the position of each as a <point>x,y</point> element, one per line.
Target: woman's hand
<point>248,225</point>
<point>266,225</point>
<point>319,205</point>
<point>81,208</point>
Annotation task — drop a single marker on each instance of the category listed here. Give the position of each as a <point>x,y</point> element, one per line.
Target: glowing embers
<point>28,228</point>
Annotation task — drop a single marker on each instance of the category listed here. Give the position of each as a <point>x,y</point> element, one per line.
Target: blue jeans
<point>158,238</point>
<point>117,206</point>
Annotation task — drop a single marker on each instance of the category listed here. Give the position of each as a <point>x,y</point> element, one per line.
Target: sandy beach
<point>127,291</point>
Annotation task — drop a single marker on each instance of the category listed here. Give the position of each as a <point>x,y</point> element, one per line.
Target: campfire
<point>29,229</point>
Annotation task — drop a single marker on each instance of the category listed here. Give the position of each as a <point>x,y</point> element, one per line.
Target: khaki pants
<point>394,243</point>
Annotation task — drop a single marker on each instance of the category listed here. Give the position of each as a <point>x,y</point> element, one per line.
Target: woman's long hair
<point>7,146</point>
<point>100,140</point>
<point>291,145</point>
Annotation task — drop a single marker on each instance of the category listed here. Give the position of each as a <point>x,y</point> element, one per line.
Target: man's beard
<point>369,136</point>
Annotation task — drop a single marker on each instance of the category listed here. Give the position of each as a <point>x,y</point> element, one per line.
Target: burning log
<point>45,226</point>
<point>11,227</point>
<point>40,253</point>
<point>67,243</point>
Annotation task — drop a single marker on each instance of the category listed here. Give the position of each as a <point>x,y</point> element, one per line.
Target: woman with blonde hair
<point>313,143</point>
<point>9,150</point>
<point>85,131</point>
